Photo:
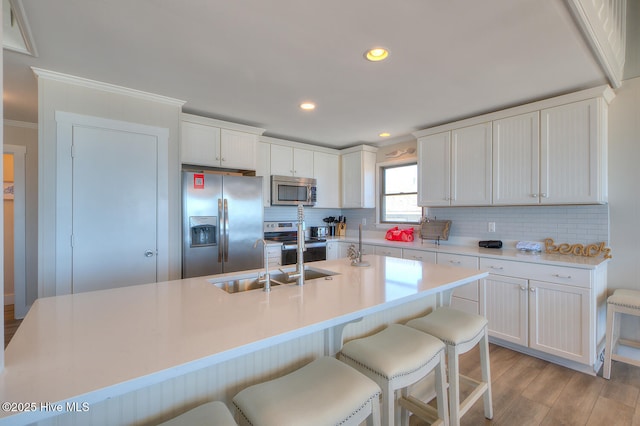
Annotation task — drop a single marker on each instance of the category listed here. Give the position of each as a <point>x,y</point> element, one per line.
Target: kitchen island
<point>96,354</point>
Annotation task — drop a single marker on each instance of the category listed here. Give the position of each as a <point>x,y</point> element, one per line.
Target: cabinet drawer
<point>423,256</point>
<point>388,251</point>
<point>548,273</point>
<point>457,260</point>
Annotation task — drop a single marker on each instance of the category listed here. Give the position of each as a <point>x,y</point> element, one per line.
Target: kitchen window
<point>399,194</point>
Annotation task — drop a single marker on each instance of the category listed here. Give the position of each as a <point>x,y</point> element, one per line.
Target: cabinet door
<point>516,160</point>
<point>263,165</point>
<point>237,150</point>
<point>333,250</point>
<point>281,160</point>
<point>506,308</point>
<point>471,166</point>
<point>559,320</point>
<point>570,162</point>
<point>421,255</point>
<point>358,179</point>
<point>200,144</point>
<point>302,163</point>
<point>326,170</point>
<point>434,170</point>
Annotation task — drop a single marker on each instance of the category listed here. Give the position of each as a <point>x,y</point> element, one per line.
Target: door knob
<point>148,253</point>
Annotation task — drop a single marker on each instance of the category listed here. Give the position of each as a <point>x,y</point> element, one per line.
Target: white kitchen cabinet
<point>289,161</point>
<point>326,171</point>
<point>555,310</point>
<point>200,144</point>
<point>237,150</point>
<point>573,169</point>
<point>516,160</point>
<point>263,168</point>
<point>358,178</point>
<point>206,142</point>
<point>421,255</point>
<point>507,308</point>
<point>275,256</point>
<point>454,168</point>
<point>333,250</point>
<point>387,251</point>
<point>467,297</point>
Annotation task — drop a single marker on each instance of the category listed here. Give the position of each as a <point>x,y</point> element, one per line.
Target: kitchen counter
<point>503,253</point>
<point>89,347</point>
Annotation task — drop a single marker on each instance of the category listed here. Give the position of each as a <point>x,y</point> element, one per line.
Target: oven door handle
<point>307,245</point>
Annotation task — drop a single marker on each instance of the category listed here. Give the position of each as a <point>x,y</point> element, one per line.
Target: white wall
<point>624,176</point>
<point>54,95</point>
<point>26,134</point>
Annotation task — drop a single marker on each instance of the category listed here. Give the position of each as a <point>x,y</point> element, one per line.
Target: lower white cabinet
<point>275,256</point>
<point>556,310</point>
<point>422,256</point>
<point>467,297</point>
<point>333,250</point>
<point>387,251</point>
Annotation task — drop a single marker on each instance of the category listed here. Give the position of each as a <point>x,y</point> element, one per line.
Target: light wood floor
<point>529,391</point>
<point>10,324</point>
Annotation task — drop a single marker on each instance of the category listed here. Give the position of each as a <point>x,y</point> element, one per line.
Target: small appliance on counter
<point>495,244</point>
<point>319,231</point>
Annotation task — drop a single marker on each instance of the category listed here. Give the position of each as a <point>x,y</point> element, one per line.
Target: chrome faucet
<point>266,278</point>
<point>298,274</point>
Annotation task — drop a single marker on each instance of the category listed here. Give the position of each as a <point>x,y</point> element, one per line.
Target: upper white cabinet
<point>548,152</point>
<point>454,168</point>
<point>516,159</point>
<point>326,171</point>
<point>289,161</point>
<point>573,153</point>
<point>359,177</point>
<point>215,143</point>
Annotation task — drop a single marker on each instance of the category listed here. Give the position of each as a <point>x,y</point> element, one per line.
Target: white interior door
<point>114,208</point>
<point>111,203</point>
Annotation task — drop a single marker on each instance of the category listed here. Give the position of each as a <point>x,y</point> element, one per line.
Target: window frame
<point>380,169</point>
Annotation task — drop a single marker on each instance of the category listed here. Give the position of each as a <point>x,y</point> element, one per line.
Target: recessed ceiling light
<point>376,54</point>
<point>308,106</point>
<point>384,135</point>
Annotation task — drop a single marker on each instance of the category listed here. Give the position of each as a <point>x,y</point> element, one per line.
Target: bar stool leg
<point>611,316</point>
<point>454,385</point>
<point>486,374</point>
<point>441,391</point>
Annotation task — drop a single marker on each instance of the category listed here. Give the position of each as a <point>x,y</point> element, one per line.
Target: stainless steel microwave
<point>291,191</point>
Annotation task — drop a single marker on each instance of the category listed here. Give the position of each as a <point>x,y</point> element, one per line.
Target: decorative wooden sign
<point>590,250</point>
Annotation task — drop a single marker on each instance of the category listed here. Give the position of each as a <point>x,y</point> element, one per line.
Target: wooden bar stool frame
<point>613,337</point>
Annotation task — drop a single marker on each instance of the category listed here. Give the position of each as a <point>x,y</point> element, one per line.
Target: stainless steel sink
<point>239,284</point>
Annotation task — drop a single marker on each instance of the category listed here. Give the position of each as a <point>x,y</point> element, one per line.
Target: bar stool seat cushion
<point>323,392</point>
<point>212,413</point>
<point>395,351</point>
<point>625,298</point>
<point>452,326</point>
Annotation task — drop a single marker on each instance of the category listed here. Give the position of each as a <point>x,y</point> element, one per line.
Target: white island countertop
<point>88,347</point>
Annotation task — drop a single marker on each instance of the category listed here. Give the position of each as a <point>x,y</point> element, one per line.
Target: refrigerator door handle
<point>220,232</point>
<point>226,231</point>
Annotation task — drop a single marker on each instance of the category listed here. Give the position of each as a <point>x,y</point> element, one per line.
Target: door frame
<point>65,122</point>
<point>19,229</point>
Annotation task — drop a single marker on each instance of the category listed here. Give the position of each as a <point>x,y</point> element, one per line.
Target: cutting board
<point>435,230</point>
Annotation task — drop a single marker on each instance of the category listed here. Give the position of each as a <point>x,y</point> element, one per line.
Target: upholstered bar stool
<point>620,302</point>
<point>212,413</point>
<point>323,392</point>
<point>460,331</point>
<point>395,358</point>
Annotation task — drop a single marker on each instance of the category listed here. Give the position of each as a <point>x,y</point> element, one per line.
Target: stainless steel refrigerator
<point>222,219</point>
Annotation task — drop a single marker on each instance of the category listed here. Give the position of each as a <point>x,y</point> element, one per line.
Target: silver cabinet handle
<point>497,268</point>
<point>523,288</point>
<point>543,195</point>
<point>534,195</point>
<point>568,277</point>
<point>532,290</point>
<point>455,262</point>
<point>148,253</point>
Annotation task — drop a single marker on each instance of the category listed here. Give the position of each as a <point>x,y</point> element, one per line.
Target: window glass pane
<point>401,179</point>
<point>401,208</point>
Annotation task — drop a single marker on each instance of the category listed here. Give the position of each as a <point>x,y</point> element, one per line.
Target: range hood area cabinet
<point>548,152</point>
<point>214,143</point>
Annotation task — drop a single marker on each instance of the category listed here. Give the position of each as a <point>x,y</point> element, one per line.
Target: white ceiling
<point>254,61</point>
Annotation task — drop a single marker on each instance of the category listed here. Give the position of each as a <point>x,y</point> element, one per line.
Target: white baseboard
<point>9,299</point>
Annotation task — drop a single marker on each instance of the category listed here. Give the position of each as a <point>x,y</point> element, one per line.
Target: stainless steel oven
<point>286,233</point>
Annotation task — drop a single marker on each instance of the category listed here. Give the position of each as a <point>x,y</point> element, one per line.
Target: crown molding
<point>106,87</point>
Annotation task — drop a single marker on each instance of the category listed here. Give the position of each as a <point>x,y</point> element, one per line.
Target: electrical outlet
<point>491,227</point>
<point>364,221</point>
